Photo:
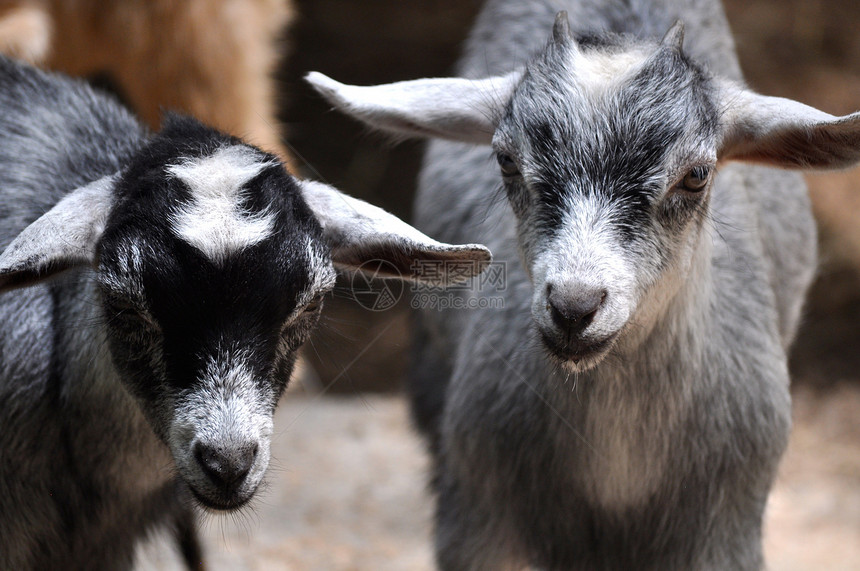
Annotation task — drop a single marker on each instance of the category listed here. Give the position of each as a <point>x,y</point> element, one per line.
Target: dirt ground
<point>813,520</point>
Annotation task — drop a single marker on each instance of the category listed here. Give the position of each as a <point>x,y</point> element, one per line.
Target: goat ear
<point>452,108</point>
<point>62,238</point>
<point>785,133</point>
<point>367,238</point>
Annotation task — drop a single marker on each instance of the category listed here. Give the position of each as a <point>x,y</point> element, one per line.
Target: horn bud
<point>674,38</point>
<point>561,28</point>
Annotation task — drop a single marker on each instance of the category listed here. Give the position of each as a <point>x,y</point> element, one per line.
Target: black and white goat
<point>628,406</point>
<point>186,270</point>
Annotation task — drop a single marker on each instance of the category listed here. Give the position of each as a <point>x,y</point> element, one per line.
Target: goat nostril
<point>249,456</point>
<point>558,315</point>
<point>598,302</point>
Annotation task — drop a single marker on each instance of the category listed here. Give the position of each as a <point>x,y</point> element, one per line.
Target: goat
<point>171,279</point>
<point>628,407</point>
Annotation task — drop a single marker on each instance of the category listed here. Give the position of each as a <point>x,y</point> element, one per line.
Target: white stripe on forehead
<point>598,70</point>
<point>213,221</point>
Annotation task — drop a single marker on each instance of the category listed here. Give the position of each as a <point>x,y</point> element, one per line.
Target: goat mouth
<point>581,355</point>
<point>223,502</point>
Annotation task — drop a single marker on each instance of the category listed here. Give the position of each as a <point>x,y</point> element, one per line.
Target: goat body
<point>187,268</point>
<point>628,406</point>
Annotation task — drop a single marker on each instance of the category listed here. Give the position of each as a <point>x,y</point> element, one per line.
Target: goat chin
<point>580,358</point>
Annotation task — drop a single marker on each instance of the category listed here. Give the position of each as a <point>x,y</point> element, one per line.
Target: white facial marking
<point>213,221</point>
<point>587,253</point>
<point>597,71</point>
<point>229,409</point>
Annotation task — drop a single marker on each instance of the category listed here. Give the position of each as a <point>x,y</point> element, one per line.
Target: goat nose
<point>573,313</point>
<point>225,468</point>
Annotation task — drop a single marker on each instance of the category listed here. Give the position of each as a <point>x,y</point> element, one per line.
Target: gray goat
<point>147,373</point>
<point>628,407</point>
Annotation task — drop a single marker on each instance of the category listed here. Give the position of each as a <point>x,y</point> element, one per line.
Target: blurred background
<point>346,491</point>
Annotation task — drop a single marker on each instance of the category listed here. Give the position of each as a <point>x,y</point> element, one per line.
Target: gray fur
<point>186,270</point>
<point>53,359</point>
<point>650,439</point>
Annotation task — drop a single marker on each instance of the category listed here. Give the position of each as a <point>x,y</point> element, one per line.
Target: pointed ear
<point>785,133</point>
<point>62,238</point>
<point>365,237</point>
<point>453,108</point>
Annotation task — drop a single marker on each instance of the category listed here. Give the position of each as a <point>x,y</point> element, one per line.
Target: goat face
<point>606,152</point>
<point>211,263</point>
<point>212,270</point>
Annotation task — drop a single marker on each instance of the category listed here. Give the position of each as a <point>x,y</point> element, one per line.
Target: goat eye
<point>126,312</point>
<point>507,165</point>
<point>697,179</point>
<point>314,305</point>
